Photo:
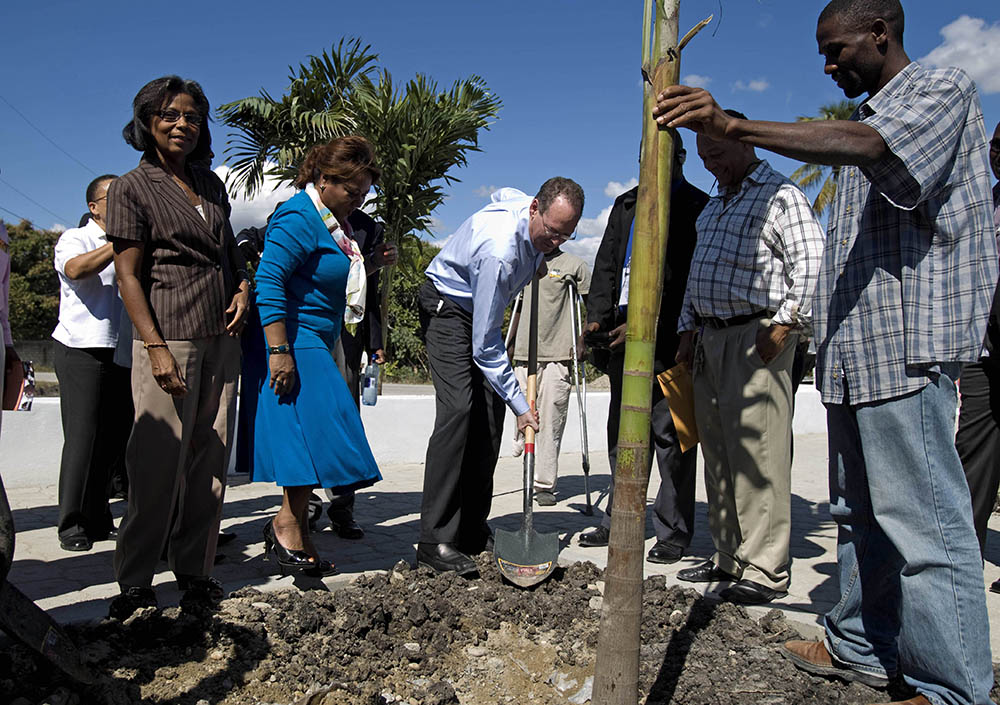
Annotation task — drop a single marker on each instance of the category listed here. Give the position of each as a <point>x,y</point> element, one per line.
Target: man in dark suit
<point>673,510</point>
<point>978,438</point>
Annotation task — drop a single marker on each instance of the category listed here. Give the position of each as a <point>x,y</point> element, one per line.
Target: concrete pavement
<point>76,586</point>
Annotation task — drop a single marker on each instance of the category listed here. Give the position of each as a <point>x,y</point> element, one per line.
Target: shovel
<point>526,557</point>
<point>580,382</point>
<point>23,619</point>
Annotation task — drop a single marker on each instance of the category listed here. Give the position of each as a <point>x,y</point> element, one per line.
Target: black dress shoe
<point>707,572</point>
<point>597,537</point>
<point>444,557</point>
<point>344,525</point>
<point>483,543</point>
<point>130,600</point>
<point>77,542</point>
<point>225,537</point>
<point>663,552</point>
<point>995,587</point>
<point>747,592</point>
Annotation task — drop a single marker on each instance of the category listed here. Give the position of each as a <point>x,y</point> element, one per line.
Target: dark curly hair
<point>339,160</point>
<point>151,98</point>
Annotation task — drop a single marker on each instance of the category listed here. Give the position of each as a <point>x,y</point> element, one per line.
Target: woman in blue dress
<point>311,278</point>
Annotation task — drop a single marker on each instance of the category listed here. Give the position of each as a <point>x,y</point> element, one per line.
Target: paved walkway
<point>76,586</point>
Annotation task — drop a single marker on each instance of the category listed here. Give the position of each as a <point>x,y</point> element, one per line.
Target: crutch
<point>514,319</point>
<point>580,382</point>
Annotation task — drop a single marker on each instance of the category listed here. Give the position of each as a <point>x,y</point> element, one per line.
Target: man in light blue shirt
<point>470,283</point>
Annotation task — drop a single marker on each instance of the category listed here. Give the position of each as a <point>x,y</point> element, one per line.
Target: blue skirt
<point>313,435</point>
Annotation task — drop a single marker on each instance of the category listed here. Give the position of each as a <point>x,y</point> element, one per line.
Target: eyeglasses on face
<point>172,116</point>
<point>555,234</point>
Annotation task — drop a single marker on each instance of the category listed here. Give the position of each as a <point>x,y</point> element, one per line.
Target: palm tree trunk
<point>616,673</point>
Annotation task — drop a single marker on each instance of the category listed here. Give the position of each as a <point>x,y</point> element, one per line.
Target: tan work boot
<point>812,656</point>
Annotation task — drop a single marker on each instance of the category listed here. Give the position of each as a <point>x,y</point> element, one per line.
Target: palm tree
<point>420,133</point>
<point>809,176</point>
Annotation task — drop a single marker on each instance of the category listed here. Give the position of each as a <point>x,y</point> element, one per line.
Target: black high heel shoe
<point>293,559</point>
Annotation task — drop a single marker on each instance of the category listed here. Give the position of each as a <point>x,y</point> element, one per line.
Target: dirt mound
<point>414,637</point>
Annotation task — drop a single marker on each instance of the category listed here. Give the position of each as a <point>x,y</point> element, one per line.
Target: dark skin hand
<point>830,142</point>
<point>685,349</point>
<point>166,371</point>
<point>282,365</point>
<point>771,341</point>
<point>616,337</point>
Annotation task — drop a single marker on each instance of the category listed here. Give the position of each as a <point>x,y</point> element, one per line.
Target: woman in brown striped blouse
<point>184,284</point>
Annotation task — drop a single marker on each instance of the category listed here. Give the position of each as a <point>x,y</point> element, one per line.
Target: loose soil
<point>412,637</point>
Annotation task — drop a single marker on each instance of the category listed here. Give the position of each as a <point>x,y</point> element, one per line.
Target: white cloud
<point>485,191</point>
<point>584,248</point>
<point>58,228</point>
<point>972,45</point>
<point>758,85</point>
<point>436,225</point>
<point>696,80</point>
<point>254,212</point>
<point>593,227</point>
<point>614,189</point>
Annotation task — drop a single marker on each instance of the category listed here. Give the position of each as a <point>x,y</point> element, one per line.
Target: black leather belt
<point>720,323</point>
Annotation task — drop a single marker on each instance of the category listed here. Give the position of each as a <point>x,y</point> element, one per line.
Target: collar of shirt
<point>755,177</point>
<point>890,91</point>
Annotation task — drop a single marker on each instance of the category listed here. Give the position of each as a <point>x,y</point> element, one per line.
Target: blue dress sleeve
<point>290,241</point>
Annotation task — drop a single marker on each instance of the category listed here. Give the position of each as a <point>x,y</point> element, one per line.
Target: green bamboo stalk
<point>616,674</point>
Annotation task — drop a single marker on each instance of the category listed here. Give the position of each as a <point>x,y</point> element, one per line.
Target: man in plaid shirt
<point>908,277</point>
<point>749,294</point>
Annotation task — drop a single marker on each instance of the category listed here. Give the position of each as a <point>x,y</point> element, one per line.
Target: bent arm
<point>89,263</point>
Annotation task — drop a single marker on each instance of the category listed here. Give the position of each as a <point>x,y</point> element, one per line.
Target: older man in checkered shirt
<point>749,294</point>
<point>908,276</point>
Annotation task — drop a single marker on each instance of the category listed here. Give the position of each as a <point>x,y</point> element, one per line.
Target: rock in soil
<point>412,637</point>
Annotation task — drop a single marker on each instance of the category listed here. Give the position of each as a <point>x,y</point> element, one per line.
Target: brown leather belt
<point>720,323</point>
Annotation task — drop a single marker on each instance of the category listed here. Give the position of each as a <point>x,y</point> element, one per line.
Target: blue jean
<point>912,595</point>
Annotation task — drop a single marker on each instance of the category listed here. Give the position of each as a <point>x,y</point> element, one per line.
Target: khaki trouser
<point>553,387</point>
<point>176,460</point>
<point>743,409</point>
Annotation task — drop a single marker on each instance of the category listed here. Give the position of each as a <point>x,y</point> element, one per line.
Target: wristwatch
<point>282,349</point>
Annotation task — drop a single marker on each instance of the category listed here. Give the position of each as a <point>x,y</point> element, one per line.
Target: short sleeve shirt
<point>910,263</point>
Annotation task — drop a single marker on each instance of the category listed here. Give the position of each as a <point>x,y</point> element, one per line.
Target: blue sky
<point>567,72</point>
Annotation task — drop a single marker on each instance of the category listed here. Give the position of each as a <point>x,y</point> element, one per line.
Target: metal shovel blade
<point>525,557</point>
<point>26,621</point>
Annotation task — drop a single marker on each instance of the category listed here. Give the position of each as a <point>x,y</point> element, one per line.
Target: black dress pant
<point>978,439</point>
<point>673,508</point>
<point>97,414</point>
<point>465,444</point>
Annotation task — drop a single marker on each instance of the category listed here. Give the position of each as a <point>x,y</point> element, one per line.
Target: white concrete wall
<point>398,428</point>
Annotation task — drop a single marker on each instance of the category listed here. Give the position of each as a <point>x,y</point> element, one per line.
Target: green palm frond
<point>420,133</point>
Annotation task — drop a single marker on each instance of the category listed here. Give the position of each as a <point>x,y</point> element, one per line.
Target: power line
<point>29,198</point>
<point>7,210</point>
<point>49,139</point>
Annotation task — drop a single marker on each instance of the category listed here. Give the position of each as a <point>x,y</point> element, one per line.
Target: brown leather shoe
<point>813,657</point>
<point>917,700</point>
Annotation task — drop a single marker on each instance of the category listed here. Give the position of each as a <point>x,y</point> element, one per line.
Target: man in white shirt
<point>477,274</point>
<point>95,393</point>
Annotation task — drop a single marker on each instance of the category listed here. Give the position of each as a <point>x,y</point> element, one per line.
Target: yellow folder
<point>679,393</point>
